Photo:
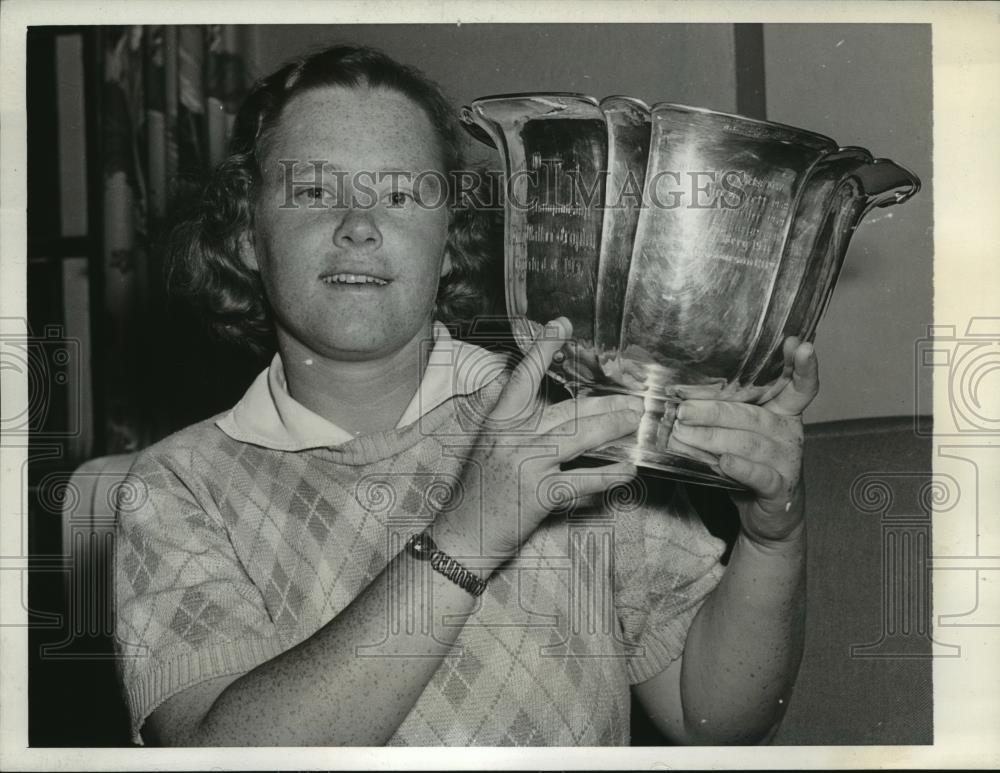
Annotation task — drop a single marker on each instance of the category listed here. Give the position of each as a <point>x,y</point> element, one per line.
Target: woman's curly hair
<point>204,262</point>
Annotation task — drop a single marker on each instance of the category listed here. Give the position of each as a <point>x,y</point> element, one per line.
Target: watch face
<point>421,546</point>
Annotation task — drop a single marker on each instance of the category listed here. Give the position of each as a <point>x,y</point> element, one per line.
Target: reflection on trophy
<point>683,244</point>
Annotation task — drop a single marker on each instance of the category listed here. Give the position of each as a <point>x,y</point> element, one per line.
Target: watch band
<point>423,548</point>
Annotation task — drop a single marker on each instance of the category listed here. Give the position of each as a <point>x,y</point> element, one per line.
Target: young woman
<point>379,543</point>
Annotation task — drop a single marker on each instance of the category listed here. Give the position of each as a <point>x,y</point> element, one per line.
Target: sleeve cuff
<point>662,645</point>
<point>152,684</point>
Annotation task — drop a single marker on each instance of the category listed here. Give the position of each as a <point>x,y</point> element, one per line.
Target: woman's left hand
<point>760,446</point>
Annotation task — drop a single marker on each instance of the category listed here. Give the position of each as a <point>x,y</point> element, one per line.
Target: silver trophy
<point>683,244</point>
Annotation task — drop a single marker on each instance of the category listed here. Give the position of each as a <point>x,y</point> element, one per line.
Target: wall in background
<point>679,62</point>
<point>867,85</point>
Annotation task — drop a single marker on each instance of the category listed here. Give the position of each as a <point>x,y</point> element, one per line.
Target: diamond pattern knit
<point>238,552</point>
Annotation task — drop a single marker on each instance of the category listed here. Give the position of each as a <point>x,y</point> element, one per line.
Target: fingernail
<point>634,416</point>
<point>635,404</point>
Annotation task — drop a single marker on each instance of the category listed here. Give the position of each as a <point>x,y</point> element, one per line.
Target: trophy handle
<point>478,132</point>
<point>886,183</point>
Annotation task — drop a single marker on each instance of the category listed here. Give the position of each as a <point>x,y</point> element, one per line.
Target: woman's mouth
<point>356,280</point>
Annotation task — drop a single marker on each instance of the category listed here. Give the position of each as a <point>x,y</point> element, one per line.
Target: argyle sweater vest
<point>228,554</point>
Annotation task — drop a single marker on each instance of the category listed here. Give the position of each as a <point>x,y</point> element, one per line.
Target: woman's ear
<point>446,265</point>
<point>248,253</point>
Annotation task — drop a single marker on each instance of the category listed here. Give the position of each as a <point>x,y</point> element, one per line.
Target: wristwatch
<point>423,548</point>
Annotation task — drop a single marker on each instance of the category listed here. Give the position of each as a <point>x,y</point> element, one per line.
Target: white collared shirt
<point>268,416</point>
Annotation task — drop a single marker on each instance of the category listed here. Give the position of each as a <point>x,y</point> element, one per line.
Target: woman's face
<point>350,259</point>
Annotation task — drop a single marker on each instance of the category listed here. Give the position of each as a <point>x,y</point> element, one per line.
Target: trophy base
<point>652,446</point>
<point>674,466</point>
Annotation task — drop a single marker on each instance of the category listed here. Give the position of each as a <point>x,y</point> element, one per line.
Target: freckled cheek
<point>288,239</point>
<point>421,248</point>
<point>422,277</point>
<point>283,272</point>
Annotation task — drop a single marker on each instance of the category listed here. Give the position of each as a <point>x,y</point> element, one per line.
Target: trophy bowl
<point>684,245</point>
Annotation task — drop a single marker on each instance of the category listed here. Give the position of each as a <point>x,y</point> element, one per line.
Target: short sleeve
<point>666,564</point>
<point>185,608</point>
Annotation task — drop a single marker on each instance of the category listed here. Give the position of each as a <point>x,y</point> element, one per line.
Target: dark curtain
<point>169,96</point>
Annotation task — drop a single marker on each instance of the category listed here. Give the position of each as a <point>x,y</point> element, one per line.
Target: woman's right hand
<point>517,456</point>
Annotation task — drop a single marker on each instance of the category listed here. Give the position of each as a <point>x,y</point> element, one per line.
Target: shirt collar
<point>269,416</point>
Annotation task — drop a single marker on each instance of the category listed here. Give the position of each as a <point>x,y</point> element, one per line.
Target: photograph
<point>571,381</point>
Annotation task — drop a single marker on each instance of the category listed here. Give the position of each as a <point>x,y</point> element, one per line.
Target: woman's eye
<point>398,198</point>
<point>313,195</point>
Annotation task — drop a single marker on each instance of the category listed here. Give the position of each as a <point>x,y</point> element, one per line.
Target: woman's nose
<point>357,230</point>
